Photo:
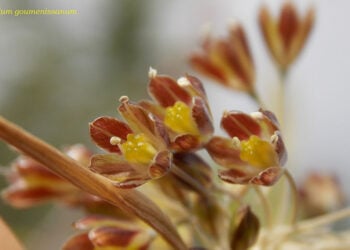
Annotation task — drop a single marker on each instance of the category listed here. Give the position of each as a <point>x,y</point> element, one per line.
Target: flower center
<point>258,153</point>
<point>137,149</point>
<point>179,119</point>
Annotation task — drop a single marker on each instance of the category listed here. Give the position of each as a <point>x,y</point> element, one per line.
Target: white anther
<point>257,115</point>
<point>274,138</point>
<point>236,142</point>
<point>152,72</point>
<point>183,81</point>
<point>114,140</point>
<point>123,98</point>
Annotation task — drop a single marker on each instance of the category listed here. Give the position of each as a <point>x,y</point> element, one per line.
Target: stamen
<point>183,81</point>
<point>124,98</point>
<point>274,138</point>
<point>152,73</point>
<point>236,142</point>
<point>257,115</point>
<point>115,140</point>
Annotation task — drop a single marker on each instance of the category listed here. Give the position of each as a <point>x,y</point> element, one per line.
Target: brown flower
<point>108,233</point>
<point>286,36</point>
<point>255,152</point>
<point>184,109</point>
<point>32,183</point>
<point>228,61</point>
<point>320,194</point>
<point>139,147</point>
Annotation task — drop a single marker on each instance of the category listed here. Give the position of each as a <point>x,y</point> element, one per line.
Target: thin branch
<point>130,201</point>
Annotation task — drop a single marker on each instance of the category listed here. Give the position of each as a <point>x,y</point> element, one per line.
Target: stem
<point>191,181</point>
<point>323,220</point>
<point>294,191</point>
<point>130,201</point>
<point>265,204</point>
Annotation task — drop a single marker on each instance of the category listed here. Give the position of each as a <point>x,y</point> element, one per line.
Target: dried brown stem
<point>130,201</point>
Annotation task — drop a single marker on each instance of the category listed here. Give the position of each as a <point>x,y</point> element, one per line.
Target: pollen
<point>137,149</point>
<point>114,140</point>
<point>258,153</point>
<point>179,119</point>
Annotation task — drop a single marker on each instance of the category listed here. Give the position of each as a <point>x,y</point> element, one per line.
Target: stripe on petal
<point>117,237</point>
<point>224,152</point>
<point>103,128</point>
<point>79,242</point>
<point>238,124</point>
<point>202,117</point>
<point>161,165</point>
<point>166,91</point>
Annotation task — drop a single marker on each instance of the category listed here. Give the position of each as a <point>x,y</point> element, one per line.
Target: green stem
<point>294,190</point>
<point>265,204</point>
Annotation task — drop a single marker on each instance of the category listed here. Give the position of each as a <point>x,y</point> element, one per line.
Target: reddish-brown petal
<point>271,116</point>
<point>153,108</point>
<point>185,142</point>
<point>234,176</point>
<point>117,237</point>
<point>246,229</point>
<point>224,152</point>
<point>161,164</point>
<point>288,24</point>
<point>267,177</point>
<point>280,149</point>
<point>205,66</point>
<point>195,167</point>
<point>238,124</point>
<point>103,128</point>
<point>122,173</point>
<point>197,85</point>
<point>202,117</point>
<point>142,121</point>
<point>96,220</point>
<point>25,167</point>
<point>79,242</point>
<point>21,197</point>
<point>166,91</point>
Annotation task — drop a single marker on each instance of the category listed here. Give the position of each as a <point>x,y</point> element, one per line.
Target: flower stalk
<point>130,201</point>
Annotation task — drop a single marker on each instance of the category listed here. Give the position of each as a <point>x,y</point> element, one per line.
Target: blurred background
<point>58,73</point>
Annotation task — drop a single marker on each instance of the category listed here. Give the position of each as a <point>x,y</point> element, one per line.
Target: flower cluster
<point>167,149</point>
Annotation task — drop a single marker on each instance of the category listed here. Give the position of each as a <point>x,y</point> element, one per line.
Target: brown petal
<point>93,221</point>
<point>26,167</point>
<point>280,149</point>
<point>238,124</point>
<point>305,28</point>
<point>269,30</point>
<point>141,121</point>
<point>234,176</point>
<point>195,167</point>
<point>166,91</point>
<point>202,117</point>
<point>288,24</point>
<point>205,66</point>
<point>153,108</point>
<point>197,85</point>
<point>161,164</point>
<point>79,242</point>
<point>103,128</point>
<point>268,177</point>
<point>246,230</point>
<point>185,143</point>
<point>122,173</point>
<point>224,152</point>
<point>119,238</point>
<point>21,197</point>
